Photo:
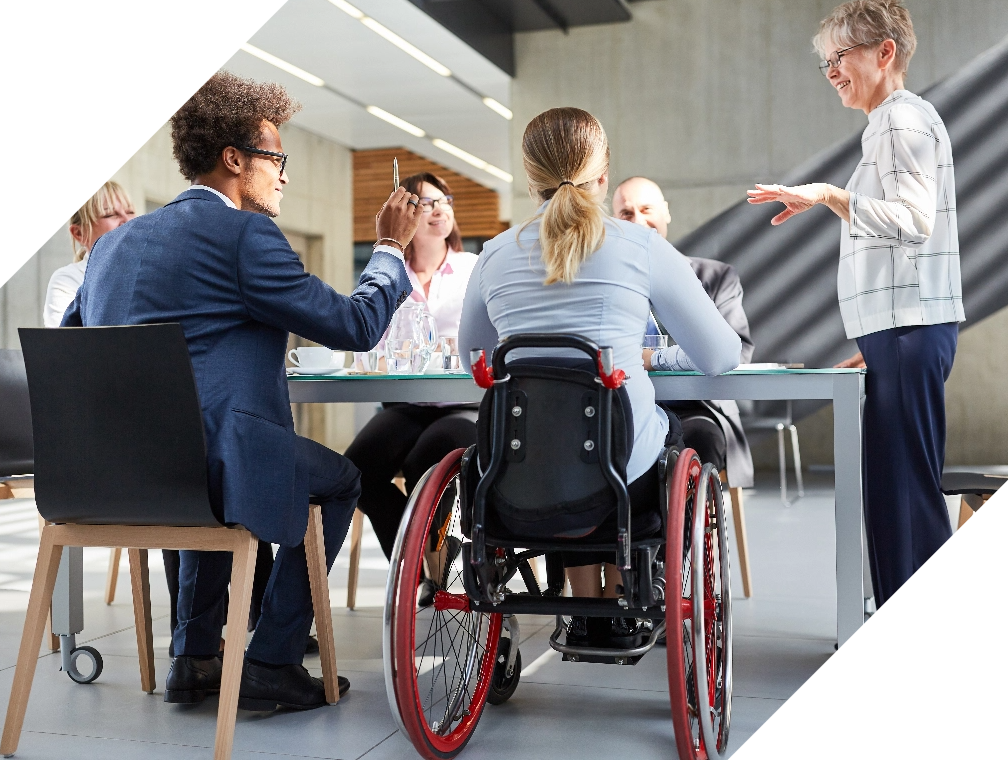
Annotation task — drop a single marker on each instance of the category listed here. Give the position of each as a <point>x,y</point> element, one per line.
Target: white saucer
<point>304,370</point>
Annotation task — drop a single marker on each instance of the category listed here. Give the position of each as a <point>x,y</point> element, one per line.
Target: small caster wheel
<point>502,687</point>
<point>90,654</point>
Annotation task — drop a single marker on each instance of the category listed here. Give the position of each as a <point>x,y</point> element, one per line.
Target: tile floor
<point>560,710</point>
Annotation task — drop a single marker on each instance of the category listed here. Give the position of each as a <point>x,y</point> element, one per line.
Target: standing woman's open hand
<point>802,198</point>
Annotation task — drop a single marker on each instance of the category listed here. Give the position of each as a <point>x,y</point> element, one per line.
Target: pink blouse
<point>447,291</point>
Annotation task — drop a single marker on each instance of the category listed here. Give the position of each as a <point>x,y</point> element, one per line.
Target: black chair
<point>981,708</point>
<point>548,476</point>
<point>17,462</point>
<point>121,461</point>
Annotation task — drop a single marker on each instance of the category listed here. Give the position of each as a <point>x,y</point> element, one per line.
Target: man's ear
<point>232,159</point>
<point>668,214</point>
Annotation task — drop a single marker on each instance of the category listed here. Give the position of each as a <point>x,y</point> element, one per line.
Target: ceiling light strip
<point>381,113</point>
<point>282,64</point>
<point>378,28</point>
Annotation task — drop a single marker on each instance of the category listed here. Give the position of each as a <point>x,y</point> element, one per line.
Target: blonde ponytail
<point>565,152</point>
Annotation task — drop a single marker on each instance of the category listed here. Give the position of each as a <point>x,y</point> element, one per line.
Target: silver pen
<point>395,174</point>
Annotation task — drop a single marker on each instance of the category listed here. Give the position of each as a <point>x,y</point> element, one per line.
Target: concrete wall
<point>976,406</point>
<point>708,96</point>
<point>316,213</point>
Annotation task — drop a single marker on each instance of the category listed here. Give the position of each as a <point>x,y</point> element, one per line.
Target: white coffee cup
<point>316,357</point>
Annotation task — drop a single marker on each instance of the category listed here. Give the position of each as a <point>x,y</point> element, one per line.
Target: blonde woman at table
<point>412,437</point>
<point>899,285</point>
<point>104,211</point>
<point>572,268</point>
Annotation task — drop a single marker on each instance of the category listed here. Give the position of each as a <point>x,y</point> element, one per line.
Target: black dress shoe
<point>311,647</point>
<point>266,688</point>
<point>192,678</point>
<point>577,631</point>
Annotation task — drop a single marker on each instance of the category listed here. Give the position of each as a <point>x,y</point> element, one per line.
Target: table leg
<point>848,393</point>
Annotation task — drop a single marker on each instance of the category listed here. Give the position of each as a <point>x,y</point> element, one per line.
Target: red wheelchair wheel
<point>439,655</point>
<point>698,628</point>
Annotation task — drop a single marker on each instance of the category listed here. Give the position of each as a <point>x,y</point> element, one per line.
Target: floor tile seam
<point>380,742</point>
<point>592,686</point>
<point>761,697</point>
<point>272,754</point>
<point>736,635</point>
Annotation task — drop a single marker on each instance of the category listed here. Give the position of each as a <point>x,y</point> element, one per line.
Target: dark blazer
<point>724,287</point>
<point>233,282</point>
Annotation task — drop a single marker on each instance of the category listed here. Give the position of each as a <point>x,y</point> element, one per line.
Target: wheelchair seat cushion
<point>551,484</point>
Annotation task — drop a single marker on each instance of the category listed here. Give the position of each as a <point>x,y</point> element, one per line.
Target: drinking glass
<point>399,355</point>
<point>450,360</point>
<point>655,342</point>
<point>366,361</point>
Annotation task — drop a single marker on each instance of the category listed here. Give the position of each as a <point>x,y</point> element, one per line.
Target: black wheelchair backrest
<point>563,440</point>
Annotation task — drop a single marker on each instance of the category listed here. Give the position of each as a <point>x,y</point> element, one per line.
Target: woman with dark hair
<point>412,437</point>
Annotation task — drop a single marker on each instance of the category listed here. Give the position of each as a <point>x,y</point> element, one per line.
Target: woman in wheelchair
<point>572,269</point>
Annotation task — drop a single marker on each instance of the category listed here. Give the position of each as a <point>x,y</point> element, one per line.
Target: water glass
<point>399,355</point>
<point>450,360</point>
<point>655,342</point>
<point>366,361</point>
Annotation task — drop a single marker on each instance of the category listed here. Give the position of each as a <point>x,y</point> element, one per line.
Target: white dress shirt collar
<point>217,193</point>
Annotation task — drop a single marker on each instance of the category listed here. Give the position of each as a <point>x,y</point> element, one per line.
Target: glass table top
<point>466,377</point>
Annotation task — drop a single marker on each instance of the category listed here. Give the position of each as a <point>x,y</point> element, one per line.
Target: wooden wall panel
<point>476,206</point>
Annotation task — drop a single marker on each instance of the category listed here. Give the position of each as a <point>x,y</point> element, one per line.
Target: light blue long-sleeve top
<point>609,302</point>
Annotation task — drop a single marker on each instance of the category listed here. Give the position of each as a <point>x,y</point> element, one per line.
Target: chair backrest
<point>118,428</point>
<point>553,479</point>
<point>15,418</point>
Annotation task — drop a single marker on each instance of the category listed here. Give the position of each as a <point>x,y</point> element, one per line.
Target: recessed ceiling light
<point>499,107</point>
<point>344,6</point>
<point>476,161</point>
<point>282,64</point>
<point>406,47</point>
<point>396,121</point>
<point>498,173</point>
<point>454,150</point>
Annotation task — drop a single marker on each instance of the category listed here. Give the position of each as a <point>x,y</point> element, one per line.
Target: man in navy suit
<point>214,261</point>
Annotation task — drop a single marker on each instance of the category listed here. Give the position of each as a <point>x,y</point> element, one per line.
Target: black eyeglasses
<point>834,60</point>
<point>271,154</point>
<point>427,204</point>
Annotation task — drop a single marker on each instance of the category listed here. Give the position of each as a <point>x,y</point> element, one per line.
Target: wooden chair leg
<point>741,539</point>
<point>5,491</point>
<point>356,531</point>
<point>38,602</point>
<point>965,630</point>
<point>242,574</point>
<point>113,574</point>
<point>140,582</point>
<point>52,639</point>
<point>318,578</point>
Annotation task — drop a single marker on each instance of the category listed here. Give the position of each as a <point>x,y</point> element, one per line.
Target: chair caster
<point>71,654</point>
<point>502,686</point>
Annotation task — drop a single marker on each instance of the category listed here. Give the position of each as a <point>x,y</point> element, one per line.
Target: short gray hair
<point>860,21</point>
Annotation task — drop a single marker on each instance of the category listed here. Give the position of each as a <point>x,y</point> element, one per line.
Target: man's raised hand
<point>399,217</point>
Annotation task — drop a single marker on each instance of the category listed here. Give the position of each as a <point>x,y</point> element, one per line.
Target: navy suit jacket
<point>233,282</point>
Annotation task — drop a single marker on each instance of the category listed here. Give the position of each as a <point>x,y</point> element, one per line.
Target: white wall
<point>317,207</point>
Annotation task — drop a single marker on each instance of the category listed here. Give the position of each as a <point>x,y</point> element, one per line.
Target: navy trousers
<point>904,449</point>
<point>282,631</point>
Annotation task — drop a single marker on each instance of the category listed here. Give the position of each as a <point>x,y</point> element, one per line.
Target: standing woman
<point>898,282</point>
<point>413,437</point>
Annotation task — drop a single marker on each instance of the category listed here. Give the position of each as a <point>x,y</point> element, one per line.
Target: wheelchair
<point>548,466</point>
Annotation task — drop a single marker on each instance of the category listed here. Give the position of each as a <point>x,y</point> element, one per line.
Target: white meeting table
<point>844,388</point>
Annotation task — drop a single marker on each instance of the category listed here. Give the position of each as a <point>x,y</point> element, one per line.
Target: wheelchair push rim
<point>711,621</point>
<point>442,655</point>
<point>699,638</point>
